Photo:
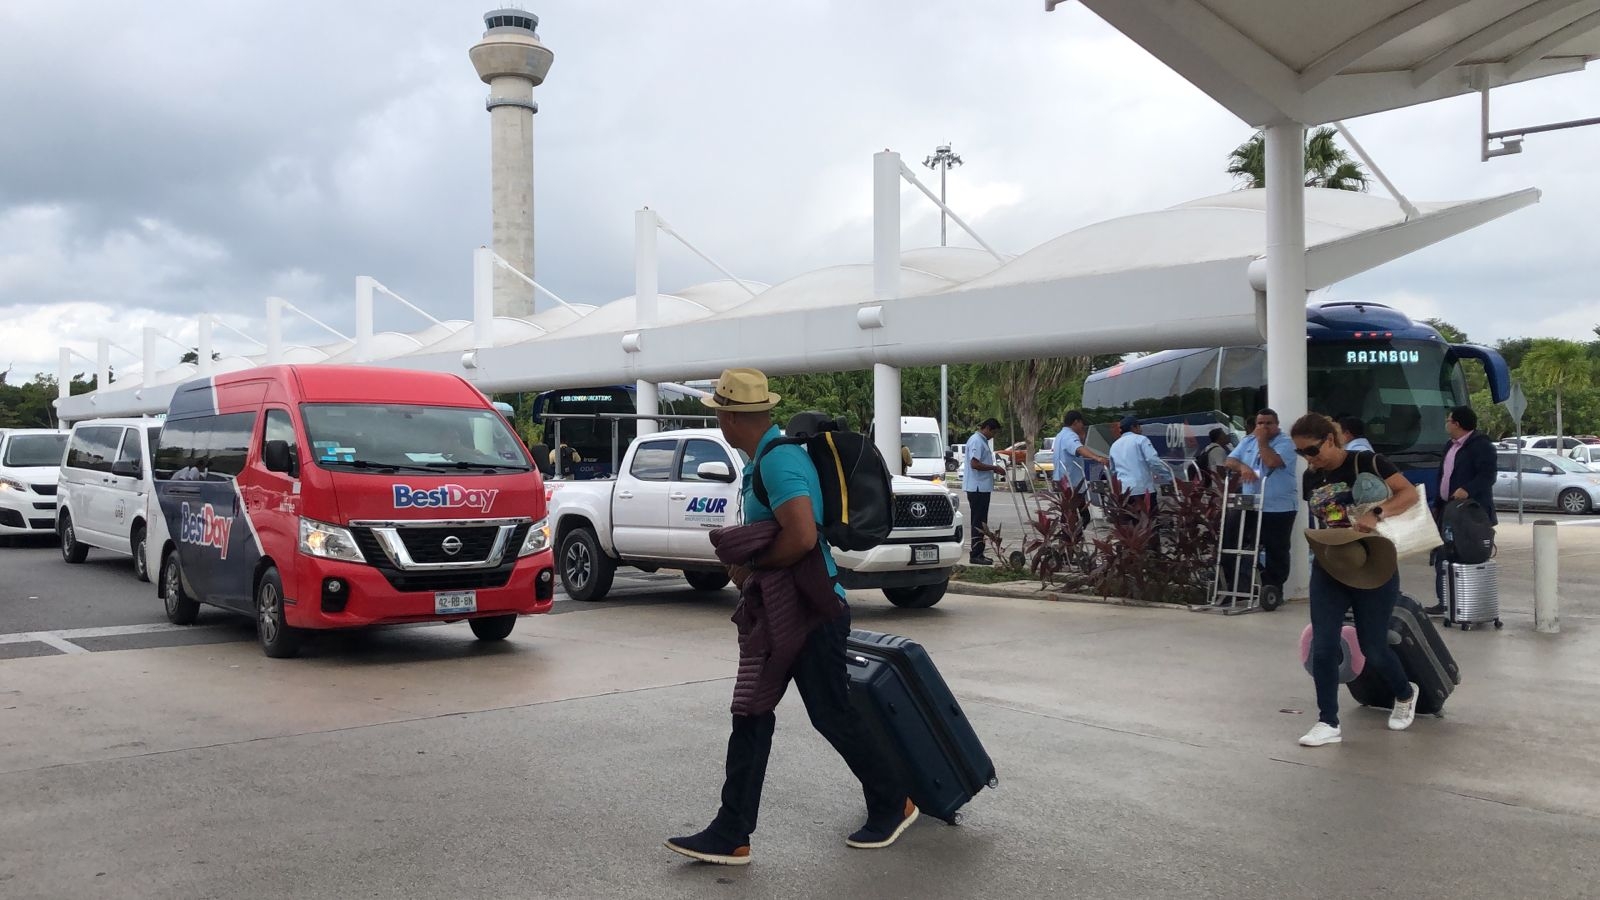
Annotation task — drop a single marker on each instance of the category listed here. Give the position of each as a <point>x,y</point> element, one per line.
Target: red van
<point>319,496</point>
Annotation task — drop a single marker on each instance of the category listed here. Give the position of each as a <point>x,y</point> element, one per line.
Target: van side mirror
<point>278,456</point>
<point>715,471</point>
<point>124,468</point>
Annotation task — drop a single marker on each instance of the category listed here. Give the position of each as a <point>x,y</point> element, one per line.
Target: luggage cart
<point>1244,551</point>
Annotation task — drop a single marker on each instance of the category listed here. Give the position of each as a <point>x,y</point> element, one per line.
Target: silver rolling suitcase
<point>1472,595</point>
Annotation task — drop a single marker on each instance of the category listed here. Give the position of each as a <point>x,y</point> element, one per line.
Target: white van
<point>105,490</point>
<point>30,460</point>
<point>921,435</point>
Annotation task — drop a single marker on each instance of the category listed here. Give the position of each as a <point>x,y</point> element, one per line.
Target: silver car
<point>1548,480</point>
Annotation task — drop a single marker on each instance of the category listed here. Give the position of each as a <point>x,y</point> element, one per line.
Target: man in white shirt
<point>977,480</point>
<point>1354,432</point>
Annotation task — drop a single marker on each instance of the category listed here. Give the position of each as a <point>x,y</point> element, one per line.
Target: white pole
<point>64,373</point>
<point>646,305</point>
<point>483,298</point>
<point>149,356</point>
<point>886,168</point>
<point>944,368</point>
<point>364,290</point>
<point>274,330</point>
<point>1286,308</point>
<point>203,363</point>
<point>1546,604</point>
<point>102,363</point>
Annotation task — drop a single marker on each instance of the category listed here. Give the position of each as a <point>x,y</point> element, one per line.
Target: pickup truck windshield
<point>376,436</point>
<point>35,450</point>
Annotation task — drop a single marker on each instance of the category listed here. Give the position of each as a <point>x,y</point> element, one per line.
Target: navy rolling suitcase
<point>1424,656</point>
<point>915,721</point>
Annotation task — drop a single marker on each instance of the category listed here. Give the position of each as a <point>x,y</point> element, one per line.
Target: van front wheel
<point>493,628</point>
<point>141,565</point>
<point>278,640</point>
<point>71,551</point>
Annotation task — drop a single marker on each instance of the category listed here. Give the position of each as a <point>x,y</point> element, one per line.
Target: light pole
<point>943,160</point>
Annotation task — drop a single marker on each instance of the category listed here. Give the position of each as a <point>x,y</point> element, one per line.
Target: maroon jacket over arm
<point>778,609</point>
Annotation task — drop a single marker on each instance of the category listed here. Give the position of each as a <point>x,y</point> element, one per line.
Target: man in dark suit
<point>1468,470</point>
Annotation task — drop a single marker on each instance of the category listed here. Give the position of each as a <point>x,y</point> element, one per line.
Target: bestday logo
<point>449,496</point>
<point>204,528</point>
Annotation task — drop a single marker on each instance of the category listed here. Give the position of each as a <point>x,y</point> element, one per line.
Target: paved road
<point>48,607</point>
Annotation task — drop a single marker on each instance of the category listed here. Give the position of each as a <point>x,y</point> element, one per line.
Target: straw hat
<point>1358,559</point>
<point>742,390</point>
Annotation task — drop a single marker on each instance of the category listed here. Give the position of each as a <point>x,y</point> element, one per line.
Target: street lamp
<point>944,160</point>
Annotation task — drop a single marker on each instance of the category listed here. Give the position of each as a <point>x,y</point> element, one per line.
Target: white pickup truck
<point>674,487</point>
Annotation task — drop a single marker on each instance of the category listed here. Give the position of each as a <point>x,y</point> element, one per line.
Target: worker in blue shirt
<point>1137,467</point>
<point>1265,463</point>
<point>1068,454</point>
<point>977,480</point>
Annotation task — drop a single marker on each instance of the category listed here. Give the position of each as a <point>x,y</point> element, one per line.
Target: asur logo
<point>449,496</point>
<point>710,505</point>
<point>204,528</point>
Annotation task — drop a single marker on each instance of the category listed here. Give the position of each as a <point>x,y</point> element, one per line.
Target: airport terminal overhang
<point>1190,275</point>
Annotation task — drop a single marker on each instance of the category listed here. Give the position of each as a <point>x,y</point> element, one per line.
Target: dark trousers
<point>978,519</point>
<point>1372,608</point>
<point>1276,530</point>
<point>819,674</point>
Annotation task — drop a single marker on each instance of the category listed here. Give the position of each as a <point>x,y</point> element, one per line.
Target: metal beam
<point>1366,42</point>
<point>1529,15</point>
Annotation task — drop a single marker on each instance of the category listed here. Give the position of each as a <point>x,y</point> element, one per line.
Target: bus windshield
<point>35,450</point>
<point>1402,390</point>
<point>401,436</point>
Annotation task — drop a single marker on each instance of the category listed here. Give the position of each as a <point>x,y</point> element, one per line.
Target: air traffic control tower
<point>512,61</point>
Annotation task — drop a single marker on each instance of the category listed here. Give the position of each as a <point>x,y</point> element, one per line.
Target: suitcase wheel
<point>1498,624</point>
<point>994,782</point>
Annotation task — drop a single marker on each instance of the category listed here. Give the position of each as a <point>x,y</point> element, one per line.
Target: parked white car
<point>674,487</point>
<point>30,463</point>
<point>1588,454</point>
<point>105,490</point>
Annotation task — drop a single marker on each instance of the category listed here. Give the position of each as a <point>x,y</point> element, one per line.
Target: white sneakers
<point>1320,735</point>
<point>1405,712</point>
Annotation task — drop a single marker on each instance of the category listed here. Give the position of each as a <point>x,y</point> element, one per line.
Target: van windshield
<point>34,450</point>
<point>922,445</point>
<point>400,436</point>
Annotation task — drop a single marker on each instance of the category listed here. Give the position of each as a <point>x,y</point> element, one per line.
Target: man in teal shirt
<point>794,493</point>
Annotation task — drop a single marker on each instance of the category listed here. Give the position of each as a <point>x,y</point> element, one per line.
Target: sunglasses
<point>1312,450</point>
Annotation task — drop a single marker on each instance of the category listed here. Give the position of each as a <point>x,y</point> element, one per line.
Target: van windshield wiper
<point>463,464</point>
<point>369,465</point>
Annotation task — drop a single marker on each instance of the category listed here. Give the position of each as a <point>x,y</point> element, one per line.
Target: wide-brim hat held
<point>1358,559</point>
<point>741,390</point>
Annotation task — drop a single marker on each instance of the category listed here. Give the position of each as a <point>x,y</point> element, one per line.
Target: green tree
<point>1027,387</point>
<point>1558,365</point>
<point>1327,164</point>
<point>193,356</point>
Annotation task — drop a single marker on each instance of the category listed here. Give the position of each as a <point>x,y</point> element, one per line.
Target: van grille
<point>936,511</point>
<point>48,490</point>
<point>446,580</point>
<point>426,545</point>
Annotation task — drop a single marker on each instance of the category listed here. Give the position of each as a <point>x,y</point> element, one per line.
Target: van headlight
<point>538,539</point>
<point>11,484</point>
<point>328,541</point>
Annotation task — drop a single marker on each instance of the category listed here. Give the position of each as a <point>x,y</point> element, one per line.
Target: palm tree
<point>1555,364</point>
<point>1022,385</point>
<point>1327,164</point>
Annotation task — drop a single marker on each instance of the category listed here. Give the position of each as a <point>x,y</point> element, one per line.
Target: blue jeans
<point>1329,600</point>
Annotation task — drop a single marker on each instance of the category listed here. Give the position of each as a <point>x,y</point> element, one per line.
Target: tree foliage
<point>1327,164</point>
<point>1559,366</point>
<point>32,404</point>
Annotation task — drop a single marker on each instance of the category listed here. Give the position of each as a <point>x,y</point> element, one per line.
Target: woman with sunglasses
<point>1337,492</point>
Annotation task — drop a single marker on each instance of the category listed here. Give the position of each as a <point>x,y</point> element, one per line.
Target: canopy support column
<point>886,169</point>
<point>646,305</point>
<point>1286,308</point>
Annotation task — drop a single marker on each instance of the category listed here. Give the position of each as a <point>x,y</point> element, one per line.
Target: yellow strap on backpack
<point>844,486</point>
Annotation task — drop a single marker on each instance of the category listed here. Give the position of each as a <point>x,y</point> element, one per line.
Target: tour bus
<point>592,440</point>
<point>316,497</point>
<point>1364,359</point>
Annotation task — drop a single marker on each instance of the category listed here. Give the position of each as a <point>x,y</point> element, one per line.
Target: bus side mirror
<point>715,471</point>
<point>278,457</point>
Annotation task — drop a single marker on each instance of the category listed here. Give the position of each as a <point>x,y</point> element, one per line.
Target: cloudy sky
<point>159,159</point>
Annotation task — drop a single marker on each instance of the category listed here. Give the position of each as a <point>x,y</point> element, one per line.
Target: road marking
<point>45,637</point>
<point>62,639</point>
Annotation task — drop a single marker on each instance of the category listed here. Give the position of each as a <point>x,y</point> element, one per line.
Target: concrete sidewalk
<point>1142,753</point>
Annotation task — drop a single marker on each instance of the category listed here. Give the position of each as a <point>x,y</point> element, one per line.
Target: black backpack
<point>1468,536</point>
<point>857,497</point>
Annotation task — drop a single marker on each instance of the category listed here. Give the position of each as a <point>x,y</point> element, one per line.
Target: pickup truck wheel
<point>707,581</point>
<point>586,570</point>
<point>921,596</point>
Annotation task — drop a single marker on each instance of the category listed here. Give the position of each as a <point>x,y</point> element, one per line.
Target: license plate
<point>924,554</point>
<point>445,602</point>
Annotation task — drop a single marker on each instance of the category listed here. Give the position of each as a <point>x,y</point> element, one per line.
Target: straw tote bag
<point>1412,531</point>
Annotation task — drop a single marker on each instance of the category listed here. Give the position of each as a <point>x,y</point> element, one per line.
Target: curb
<point>1029,590</point>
